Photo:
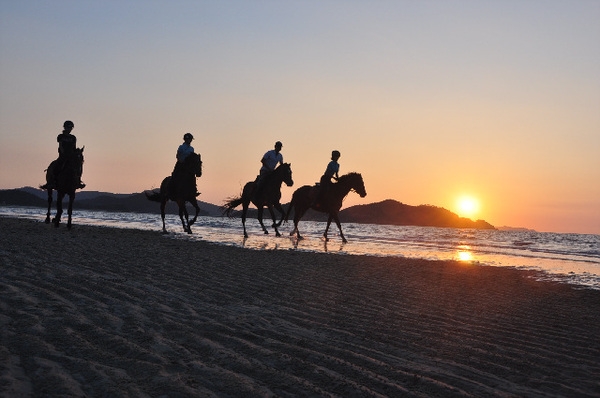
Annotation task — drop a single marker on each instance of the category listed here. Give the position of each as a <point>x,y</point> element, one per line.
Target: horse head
<point>356,183</point>
<point>284,173</point>
<point>193,164</point>
<point>78,154</point>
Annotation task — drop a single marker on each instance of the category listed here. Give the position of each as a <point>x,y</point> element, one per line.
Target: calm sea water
<point>569,258</point>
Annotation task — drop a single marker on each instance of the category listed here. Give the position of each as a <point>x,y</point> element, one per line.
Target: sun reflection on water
<point>464,254</point>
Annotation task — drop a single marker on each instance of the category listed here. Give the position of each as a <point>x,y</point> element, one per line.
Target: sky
<point>497,101</point>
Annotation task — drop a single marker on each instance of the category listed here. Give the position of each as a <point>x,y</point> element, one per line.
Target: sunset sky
<point>431,101</point>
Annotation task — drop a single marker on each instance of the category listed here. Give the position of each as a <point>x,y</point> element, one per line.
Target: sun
<point>467,206</point>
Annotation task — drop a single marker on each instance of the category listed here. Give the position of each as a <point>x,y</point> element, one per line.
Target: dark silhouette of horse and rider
<point>64,176</point>
<point>265,191</point>
<point>180,186</point>
<point>325,197</point>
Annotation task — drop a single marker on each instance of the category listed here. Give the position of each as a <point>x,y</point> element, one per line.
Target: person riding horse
<point>270,198</point>
<point>331,203</point>
<point>67,156</point>
<point>269,161</point>
<point>183,152</point>
<point>331,171</point>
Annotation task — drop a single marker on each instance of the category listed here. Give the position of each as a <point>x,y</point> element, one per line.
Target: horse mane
<point>191,157</point>
<point>350,175</point>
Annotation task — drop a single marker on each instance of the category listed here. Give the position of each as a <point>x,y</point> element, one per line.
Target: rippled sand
<point>101,312</point>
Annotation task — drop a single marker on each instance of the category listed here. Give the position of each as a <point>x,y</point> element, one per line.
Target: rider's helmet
<point>335,154</point>
<point>188,136</point>
<point>278,144</point>
<point>68,124</point>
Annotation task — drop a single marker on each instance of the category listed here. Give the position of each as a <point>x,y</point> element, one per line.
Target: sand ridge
<point>101,312</point>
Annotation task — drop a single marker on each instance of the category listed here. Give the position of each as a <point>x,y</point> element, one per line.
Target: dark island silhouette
<point>387,212</point>
<point>392,212</point>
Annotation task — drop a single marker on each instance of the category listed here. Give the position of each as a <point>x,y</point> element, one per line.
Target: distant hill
<point>19,197</point>
<point>388,212</point>
<point>518,229</point>
<point>392,212</point>
<point>103,201</point>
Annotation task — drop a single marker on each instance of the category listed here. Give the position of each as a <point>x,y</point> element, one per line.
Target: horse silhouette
<point>304,198</point>
<point>65,181</point>
<point>182,190</point>
<point>269,196</point>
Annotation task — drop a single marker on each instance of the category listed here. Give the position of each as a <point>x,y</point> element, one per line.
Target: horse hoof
<point>278,234</point>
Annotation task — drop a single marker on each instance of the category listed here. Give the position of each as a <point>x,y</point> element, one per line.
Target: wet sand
<point>102,312</point>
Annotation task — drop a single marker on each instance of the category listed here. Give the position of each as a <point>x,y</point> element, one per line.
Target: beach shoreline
<point>98,311</point>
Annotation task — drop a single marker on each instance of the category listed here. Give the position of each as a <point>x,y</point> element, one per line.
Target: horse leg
<point>59,210</point>
<point>244,212</point>
<point>296,231</point>
<point>279,208</point>
<point>187,218</point>
<point>182,213</point>
<point>335,217</point>
<point>270,207</point>
<point>194,203</point>
<point>260,220</point>
<point>298,213</point>
<point>163,204</point>
<point>339,225</point>
<point>47,221</point>
<point>327,227</point>
<point>70,209</point>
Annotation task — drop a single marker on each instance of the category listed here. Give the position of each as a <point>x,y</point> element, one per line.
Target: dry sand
<point>101,312</point>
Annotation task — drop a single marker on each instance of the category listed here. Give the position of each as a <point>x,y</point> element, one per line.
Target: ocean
<point>567,258</point>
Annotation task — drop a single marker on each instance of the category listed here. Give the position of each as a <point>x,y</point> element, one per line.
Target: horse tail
<point>230,205</point>
<point>153,195</point>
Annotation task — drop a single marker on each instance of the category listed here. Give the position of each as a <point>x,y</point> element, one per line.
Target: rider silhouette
<point>183,152</point>
<point>331,171</point>
<point>269,161</point>
<point>67,143</point>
